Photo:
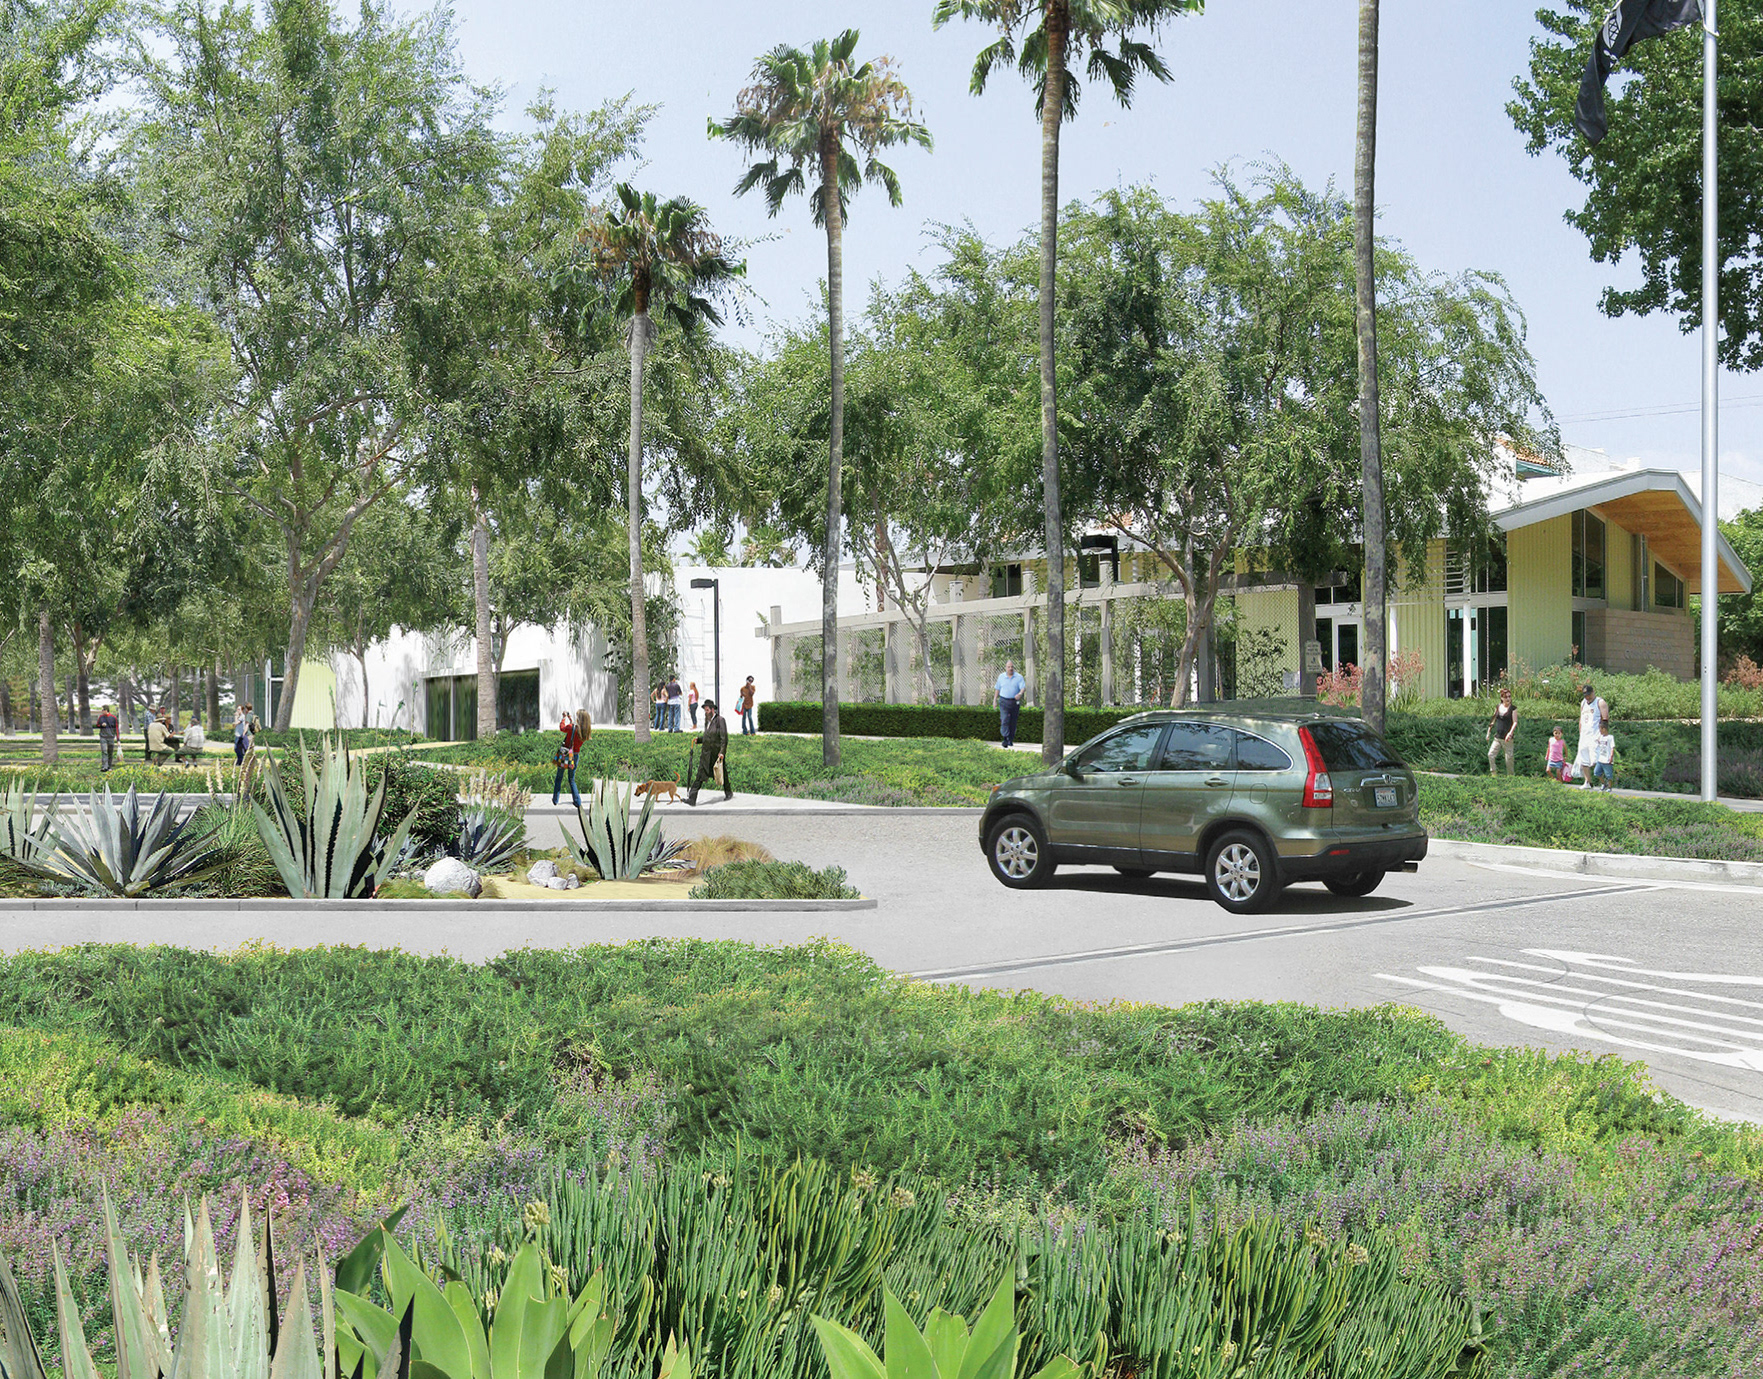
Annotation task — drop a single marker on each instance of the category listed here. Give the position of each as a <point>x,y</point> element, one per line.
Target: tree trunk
<point>881,552</point>
<point>303,594</point>
<point>82,665</point>
<point>360,649</point>
<point>1052,110</point>
<point>5,706</point>
<point>480,597</point>
<point>125,697</point>
<point>213,705</point>
<point>1376,656</point>
<point>829,576</point>
<point>1306,632</point>
<point>46,684</point>
<point>174,700</point>
<point>641,704</point>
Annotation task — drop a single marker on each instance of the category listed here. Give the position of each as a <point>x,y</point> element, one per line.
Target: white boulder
<point>541,872</point>
<point>449,874</point>
<point>563,883</point>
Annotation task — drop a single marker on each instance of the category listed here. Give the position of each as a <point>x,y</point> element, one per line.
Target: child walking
<point>1604,755</point>
<point>1556,766</point>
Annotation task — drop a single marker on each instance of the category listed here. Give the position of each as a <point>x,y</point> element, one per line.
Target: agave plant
<point>22,834</point>
<point>614,845</point>
<point>945,1349</point>
<point>489,837</point>
<point>329,851</point>
<point>112,847</point>
<point>534,1330</point>
<point>230,1328</point>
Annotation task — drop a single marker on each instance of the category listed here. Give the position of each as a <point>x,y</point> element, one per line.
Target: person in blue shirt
<point>1010,689</point>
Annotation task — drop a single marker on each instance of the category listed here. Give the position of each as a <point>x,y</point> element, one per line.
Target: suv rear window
<point>1349,746</point>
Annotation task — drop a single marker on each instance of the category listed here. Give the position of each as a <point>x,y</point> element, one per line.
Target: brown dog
<point>670,788</point>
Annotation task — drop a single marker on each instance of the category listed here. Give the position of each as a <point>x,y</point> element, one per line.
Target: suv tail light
<point>1318,789</point>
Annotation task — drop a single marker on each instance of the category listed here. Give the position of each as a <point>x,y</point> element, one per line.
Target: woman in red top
<point>565,758</point>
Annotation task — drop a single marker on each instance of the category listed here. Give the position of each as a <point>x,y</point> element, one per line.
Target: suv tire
<point>1241,873</point>
<point>1358,883</point>
<point>1016,851</point>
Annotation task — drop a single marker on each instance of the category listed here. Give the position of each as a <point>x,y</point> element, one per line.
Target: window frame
<point>1230,754</point>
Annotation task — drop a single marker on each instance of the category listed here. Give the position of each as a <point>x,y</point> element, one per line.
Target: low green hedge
<point>773,881</point>
<point>977,722</point>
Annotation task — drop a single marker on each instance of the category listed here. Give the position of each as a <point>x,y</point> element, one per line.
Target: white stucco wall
<point>748,596</point>
<point>570,660</point>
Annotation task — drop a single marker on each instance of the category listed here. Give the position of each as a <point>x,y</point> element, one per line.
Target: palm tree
<point>1045,39</point>
<point>1371,694</point>
<point>659,253</point>
<point>819,114</point>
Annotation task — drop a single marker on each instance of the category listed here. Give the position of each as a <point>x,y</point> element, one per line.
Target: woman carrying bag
<point>567,754</point>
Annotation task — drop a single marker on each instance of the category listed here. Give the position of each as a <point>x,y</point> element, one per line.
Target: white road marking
<point>1577,1001</point>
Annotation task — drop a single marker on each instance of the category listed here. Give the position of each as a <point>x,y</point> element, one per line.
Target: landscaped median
<point>638,1110</point>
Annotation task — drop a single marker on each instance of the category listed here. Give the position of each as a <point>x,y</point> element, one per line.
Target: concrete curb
<point>418,907</point>
<point>1622,865</point>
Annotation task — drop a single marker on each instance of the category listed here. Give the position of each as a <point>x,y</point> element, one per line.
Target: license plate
<point>1384,797</point>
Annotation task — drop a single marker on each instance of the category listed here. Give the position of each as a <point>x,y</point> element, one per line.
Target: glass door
<point>1456,638</point>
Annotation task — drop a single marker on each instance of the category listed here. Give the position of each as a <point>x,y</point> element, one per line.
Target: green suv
<point>1251,798</point>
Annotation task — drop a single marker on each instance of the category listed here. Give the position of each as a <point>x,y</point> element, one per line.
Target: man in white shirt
<point>1009,691</point>
<point>194,741</point>
<point>1592,712</point>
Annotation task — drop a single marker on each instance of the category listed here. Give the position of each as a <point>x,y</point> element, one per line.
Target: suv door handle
<point>1216,780</point>
<point>1129,780</point>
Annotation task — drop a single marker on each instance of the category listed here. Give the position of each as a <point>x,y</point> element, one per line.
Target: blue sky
<point>1254,79</point>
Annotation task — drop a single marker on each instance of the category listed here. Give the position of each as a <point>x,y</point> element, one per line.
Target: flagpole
<point>1710,408</point>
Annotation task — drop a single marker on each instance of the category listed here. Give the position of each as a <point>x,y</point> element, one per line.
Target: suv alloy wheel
<point>1016,850</point>
<point>1241,872</point>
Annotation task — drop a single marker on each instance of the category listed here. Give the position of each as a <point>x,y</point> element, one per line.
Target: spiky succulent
<point>112,847</point>
<point>614,844</point>
<point>329,850</point>
<point>489,837</point>
<point>22,833</point>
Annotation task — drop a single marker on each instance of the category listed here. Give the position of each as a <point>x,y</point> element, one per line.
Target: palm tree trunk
<point>51,714</point>
<point>1052,109</point>
<point>1376,656</point>
<point>480,597</point>
<point>640,687</point>
<point>829,577</point>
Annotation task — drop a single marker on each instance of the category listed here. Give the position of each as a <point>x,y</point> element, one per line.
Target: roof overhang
<point>1655,503</point>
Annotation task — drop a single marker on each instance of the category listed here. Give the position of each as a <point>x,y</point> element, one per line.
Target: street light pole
<point>1710,409</point>
<point>715,587</point>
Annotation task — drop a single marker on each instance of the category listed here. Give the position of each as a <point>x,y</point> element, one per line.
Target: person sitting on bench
<point>160,739</point>
<point>194,741</point>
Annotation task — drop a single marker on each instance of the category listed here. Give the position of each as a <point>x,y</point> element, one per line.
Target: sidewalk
<point>1738,804</point>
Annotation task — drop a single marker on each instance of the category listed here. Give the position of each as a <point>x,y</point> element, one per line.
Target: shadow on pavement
<point>1301,898</point>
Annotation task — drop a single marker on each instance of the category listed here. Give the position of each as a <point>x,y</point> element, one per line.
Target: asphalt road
<point>1667,973</point>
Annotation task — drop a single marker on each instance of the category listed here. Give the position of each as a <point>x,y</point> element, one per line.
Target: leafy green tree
<point>1644,181</point>
<point>664,254</point>
<point>1213,408</point>
<point>1741,615</point>
<point>1045,40</point>
<point>306,179</point>
<point>821,114</point>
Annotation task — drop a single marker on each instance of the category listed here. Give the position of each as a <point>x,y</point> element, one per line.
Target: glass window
<point>1006,581</point>
<point>1128,750</point>
<point>1667,588</point>
<point>1196,747</point>
<point>1578,636</point>
<point>1258,754</point>
<point>1348,745</point>
<point>1588,556</point>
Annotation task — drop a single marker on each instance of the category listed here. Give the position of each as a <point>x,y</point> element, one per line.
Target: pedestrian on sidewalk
<point>1592,711</point>
<point>1008,692</point>
<point>566,756</point>
<point>241,717</point>
<point>1501,732</point>
<point>712,746</point>
<point>1604,755</point>
<point>748,690</point>
<point>692,702</point>
<point>109,730</point>
<point>673,703</point>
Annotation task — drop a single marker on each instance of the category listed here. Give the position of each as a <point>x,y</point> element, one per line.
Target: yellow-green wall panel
<point>315,697</point>
<point>1539,565</point>
<point>1618,565</point>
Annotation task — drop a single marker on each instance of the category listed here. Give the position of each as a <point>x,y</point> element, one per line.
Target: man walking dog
<point>712,751</point>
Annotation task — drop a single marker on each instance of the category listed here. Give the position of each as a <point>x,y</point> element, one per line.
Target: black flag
<point>1628,22</point>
